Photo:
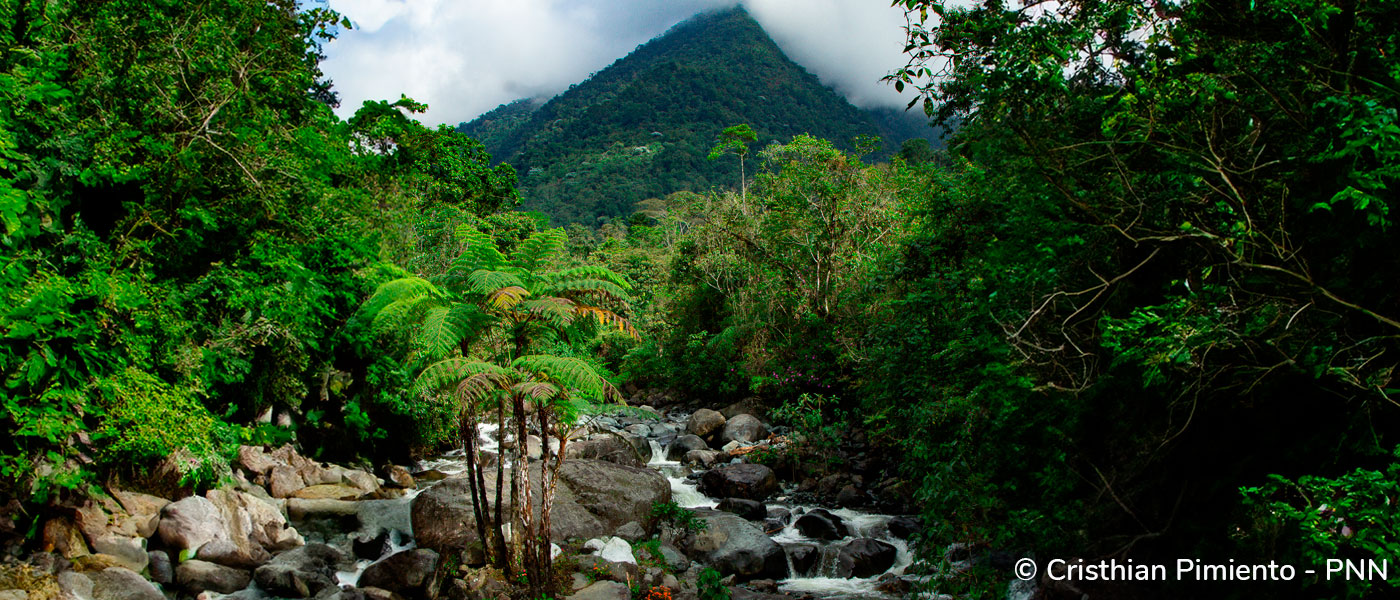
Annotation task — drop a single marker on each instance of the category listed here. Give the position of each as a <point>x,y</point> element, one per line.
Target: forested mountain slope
<point>642,127</point>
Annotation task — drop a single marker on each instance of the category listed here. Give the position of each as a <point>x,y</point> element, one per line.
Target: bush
<point>147,419</point>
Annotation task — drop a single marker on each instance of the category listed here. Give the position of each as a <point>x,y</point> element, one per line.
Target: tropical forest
<point>1110,310</point>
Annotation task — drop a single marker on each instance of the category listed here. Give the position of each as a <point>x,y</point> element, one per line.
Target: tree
<point>735,140</point>
<point>473,332</point>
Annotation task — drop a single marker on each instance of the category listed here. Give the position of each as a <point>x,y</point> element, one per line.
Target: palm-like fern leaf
<point>538,248</point>
<point>485,281</point>
<point>451,371</point>
<point>597,287</point>
<point>558,312</point>
<point>506,297</point>
<point>607,318</point>
<point>396,290</point>
<point>568,373</point>
<point>480,252</point>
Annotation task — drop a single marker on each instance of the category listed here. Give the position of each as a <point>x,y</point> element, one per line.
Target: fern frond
<point>393,291</point>
<point>479,386</point>
<point>539,391</point>
<point>506,297</point>
<point>480,252</point>
<point>588,272</point>
<point>538,248</point>
<point>400,314</point>
<point>558,312</point>
<point>484,281</point>
<point>607,318</point>
<point>595,287</point>
<point>451,371</point>
<point>568,373</point>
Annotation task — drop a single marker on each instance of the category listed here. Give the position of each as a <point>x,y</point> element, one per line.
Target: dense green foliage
<point>642,127</point>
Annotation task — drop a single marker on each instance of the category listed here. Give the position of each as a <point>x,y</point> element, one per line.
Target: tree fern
<point>597,287</point>
<point>485,281</point>
<point>450,372</point>
<point>570,373</point>
<point>480,250</point>
<point>536,250</point>
<point>592,272</point>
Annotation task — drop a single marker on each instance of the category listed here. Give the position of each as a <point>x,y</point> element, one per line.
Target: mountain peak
<point>642,127</point>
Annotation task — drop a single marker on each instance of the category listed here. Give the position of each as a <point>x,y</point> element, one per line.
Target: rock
<point>606,569</point>
<point>751,510</point>
<point>704,423</point>
<point>116,583</point>
<point>617,550</point>
<point>300,573</point>
<point>144,510</point>
<point>93,563</point>
<point>329,491</point>
<point>819,524</point>
<point>779,514</point>
<point>683,445</point>
<point>370,547</point>
<point>864,557</point>
<point>737,547</point>
<point>904,527</point>
<point>74,586</point>
<point>631,531</point>
<point>612,448</point>
<point>398,476</point>
<point>641,430</point>
<point>804,559</point>
<point>158,563</point>
<point>594,545</point>
<point>284,481</point>
<point>603,590</point>
<point>191,523</point>
<point>374,593</point>
<point>301,509</point>
<point>61,535</point>
<point>895,585</point>
<point>594,499</point>
<point>255,461</point>
<point>1021,589</point>
<point>749,481</point>
<point>197,576</point>
<point>360,480</point>
<point>676,560</point>
<point>764,586</point>
<point>167,476</point>
<point>750,405</point>
<point>405,572</point>
<point>701,458</point>
<point>850,496</point>
<point>131,551</point>
<point>744,428</point>
<point>255,530</point>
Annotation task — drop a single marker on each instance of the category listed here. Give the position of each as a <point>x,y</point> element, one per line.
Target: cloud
<point>465,57</point>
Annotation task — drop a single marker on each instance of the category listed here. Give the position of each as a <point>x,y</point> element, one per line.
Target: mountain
<point>643,127</point>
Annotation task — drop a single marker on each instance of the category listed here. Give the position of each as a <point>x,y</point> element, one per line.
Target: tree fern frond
<point>396,290</point>
<point>479,386</point>
<point>485,281</point>
<point>569,373</point>
<point>506,297</point>
<point>539,391</point>
<point>558,312</point>
<point>480,252</point>
<point>607,318</point>
<point>538,248</point>
<point>400,314</point>
<point>596,287</point>
<point>588,272</point>
<point>451,371</point>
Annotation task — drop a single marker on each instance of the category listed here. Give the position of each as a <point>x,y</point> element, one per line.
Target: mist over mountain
<point>643,127</point>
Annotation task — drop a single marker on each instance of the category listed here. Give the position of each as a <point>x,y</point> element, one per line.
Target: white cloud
<point>465,57</point>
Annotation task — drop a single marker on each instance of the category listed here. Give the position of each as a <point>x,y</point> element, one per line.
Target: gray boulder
<point>704,423</point>
<point>196,576</point>
<point>405,572</point>
<point>734,546</point>
<point>300,573</point>
<point>190,523</point>
<point>603,590</point>
<point>819,524</point>
<point>683,445</point>
<point>116,583</point>
<point>749,481</point>
<point>744,428</point>
<point>594,499</point>
<point>864,557</point>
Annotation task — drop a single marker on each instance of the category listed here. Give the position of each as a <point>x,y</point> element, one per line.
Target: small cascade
<point>397,544</point>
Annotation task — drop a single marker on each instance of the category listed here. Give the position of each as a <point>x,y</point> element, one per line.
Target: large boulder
<point>734,546</point>
<point>116,583</point>
<point>594,498</point>
<point>683,445</point>
<point>196,576</point>
<point>704,423</point>
<point>129,551</point>
<point>602,590</point>
<point>749,481</point>
<point>191,523</point>
<point>751,510</point>
<point>804,559</point>
<point>819,524</point>
<point>609,447</point>
<point>864,557</point>
<point>254,530</point>
<point>300,573</point>
<point>405,572</point>
<point>144,510</point>
<point>744,428</point>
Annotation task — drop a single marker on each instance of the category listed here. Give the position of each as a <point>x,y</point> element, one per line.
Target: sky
<point>465,57</point>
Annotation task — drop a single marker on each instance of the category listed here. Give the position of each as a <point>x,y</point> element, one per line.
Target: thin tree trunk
<point>480,511</point>
<point>502,553</point>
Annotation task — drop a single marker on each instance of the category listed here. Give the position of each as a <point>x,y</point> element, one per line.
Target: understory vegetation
<point>1143,306</point>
